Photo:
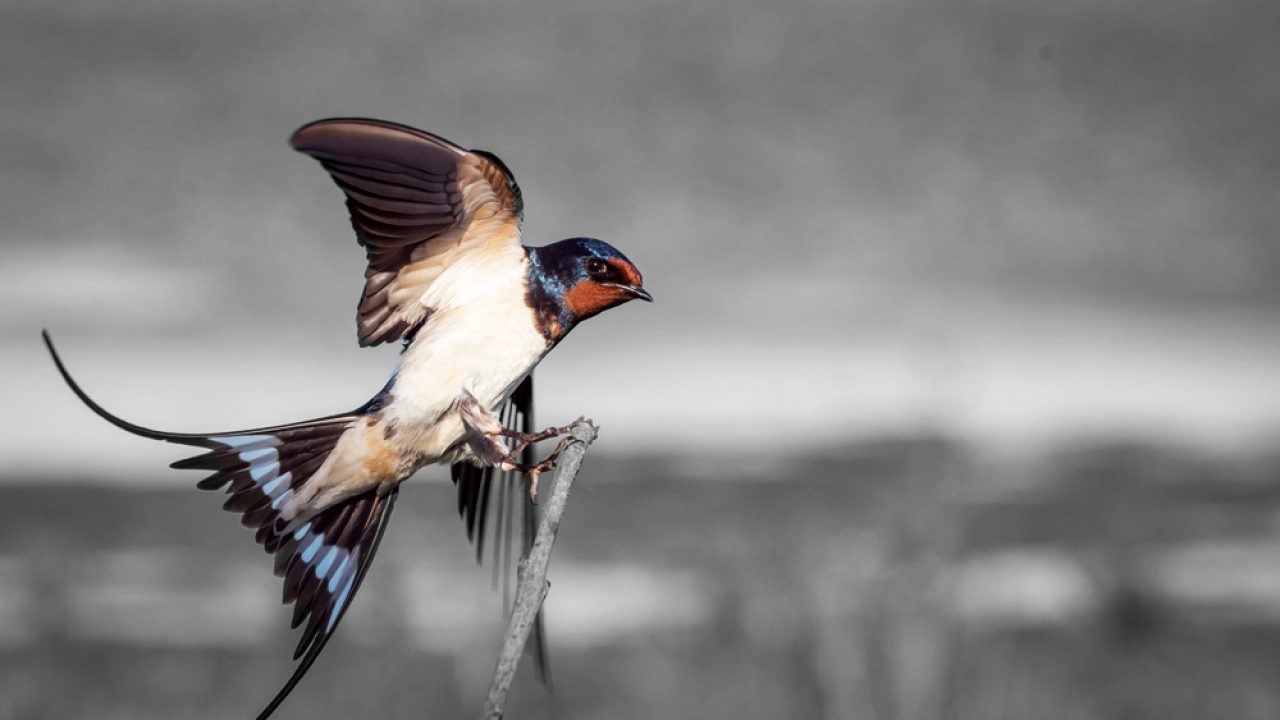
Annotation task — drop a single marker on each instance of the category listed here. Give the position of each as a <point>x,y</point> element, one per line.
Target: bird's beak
<point>639,293</point>
<point>634,291</point>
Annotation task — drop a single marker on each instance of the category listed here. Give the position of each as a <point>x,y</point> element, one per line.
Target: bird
<point>476,310</point>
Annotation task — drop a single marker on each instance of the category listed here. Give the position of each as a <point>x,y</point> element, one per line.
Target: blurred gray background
<point>959,398</point>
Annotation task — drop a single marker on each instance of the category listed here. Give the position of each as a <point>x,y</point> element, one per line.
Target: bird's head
<point>579,278</point>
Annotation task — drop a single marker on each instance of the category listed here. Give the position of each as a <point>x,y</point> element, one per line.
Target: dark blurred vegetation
<point>860,583</point>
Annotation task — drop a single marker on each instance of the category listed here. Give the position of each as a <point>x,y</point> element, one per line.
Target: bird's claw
<point>510,462</point>
<point>524,439</point>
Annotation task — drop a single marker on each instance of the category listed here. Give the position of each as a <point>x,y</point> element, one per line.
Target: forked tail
<point>322,561</point>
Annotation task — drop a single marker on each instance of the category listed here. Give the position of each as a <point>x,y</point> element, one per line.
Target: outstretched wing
<point>417,202</point>
<point>511,505</point>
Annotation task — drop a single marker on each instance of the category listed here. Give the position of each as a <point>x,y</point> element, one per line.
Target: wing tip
<point>300,137</point>
<point>320,135</point>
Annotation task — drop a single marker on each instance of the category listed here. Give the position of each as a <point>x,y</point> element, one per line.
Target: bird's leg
<point>486,429</point>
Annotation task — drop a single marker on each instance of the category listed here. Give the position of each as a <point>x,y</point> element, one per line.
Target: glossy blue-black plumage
<point>553,271</point>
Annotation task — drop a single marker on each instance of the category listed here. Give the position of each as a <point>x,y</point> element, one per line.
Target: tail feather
<point>329,574</point>
<point>264,467</point>
<point>222,444</point>
<point>182,438</point>
<point>325,559</point>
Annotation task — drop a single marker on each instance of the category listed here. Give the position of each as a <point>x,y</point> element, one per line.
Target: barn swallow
<point>476,310</point>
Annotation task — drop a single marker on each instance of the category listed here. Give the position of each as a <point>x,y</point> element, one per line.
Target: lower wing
<point>476,495</point>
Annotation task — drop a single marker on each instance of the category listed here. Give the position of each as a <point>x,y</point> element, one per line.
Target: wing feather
<point>417,203</point>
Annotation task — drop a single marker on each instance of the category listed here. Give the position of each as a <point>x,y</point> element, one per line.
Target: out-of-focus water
<point>907,573</point>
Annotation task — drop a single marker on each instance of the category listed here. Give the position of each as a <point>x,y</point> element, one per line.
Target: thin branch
<point>531,573</point>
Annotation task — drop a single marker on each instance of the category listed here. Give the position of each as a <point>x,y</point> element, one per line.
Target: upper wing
<point>417,203</point>
<point>476,495</point>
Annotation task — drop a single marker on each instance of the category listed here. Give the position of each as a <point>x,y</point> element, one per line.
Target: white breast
<point>481,338</point>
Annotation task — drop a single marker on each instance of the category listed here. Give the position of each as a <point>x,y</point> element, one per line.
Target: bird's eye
<point>596,266</point>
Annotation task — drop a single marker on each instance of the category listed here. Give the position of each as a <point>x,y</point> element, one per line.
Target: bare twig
<point>531,573</point>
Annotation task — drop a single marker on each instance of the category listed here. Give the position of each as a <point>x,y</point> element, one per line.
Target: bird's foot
<point>511,460</point>
<point>488,448</point>
<point>523,439</point>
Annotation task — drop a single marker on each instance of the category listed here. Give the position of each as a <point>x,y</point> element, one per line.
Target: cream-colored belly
<point>480,339</point>
<point>485,360</point>
<point>484,348</point>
